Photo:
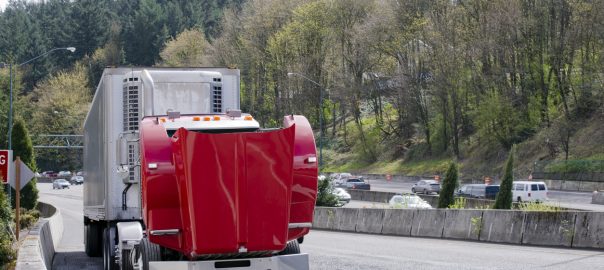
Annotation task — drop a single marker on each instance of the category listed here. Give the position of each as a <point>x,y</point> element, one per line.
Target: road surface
<point>334,250</point>
<point>566,199</point>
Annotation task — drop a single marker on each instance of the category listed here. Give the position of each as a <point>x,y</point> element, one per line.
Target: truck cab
<point>176,171</point>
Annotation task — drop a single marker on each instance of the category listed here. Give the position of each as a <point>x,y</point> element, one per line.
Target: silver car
<point>426,187</point>
<point>60,184</point>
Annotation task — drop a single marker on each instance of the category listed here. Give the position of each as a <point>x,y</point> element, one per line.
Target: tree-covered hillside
<point>404,82</point>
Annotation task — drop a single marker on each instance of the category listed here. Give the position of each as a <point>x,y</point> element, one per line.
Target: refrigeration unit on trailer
<point>177,176</point>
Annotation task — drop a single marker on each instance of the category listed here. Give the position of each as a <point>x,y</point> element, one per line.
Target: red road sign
<point>6,160</point>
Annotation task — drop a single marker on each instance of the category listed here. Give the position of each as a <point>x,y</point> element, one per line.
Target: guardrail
<point>560,229</point>
<point>38,248</point>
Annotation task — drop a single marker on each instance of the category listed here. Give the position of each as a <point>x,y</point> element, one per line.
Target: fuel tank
<point>227,193</point>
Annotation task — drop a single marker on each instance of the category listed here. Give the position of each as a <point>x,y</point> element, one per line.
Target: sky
<point>3,4</point>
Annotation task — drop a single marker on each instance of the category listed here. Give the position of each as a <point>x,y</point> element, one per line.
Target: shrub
<point>28,217</point>
<point>446,197</point>
<point>7,253</point>
<point>460,203</point>
<point>325,196</point>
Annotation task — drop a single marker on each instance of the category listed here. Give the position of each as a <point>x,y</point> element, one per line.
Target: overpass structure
<point>59,141</point>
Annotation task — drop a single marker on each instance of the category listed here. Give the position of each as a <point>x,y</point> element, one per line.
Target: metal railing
<point>58,141</point>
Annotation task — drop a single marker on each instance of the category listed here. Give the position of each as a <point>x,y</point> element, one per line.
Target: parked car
<point>408,201</point>
<point>80,173</point>
<point>342,194</point>
<point>529,191</point>
<point>64,174</point>
<point>426,187</point>
<point>60,184</point>
<point>77,180</point>
<point>480,191</point>
<point>356,183</point>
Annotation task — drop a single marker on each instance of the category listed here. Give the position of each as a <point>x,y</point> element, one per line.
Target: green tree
<point>504,197</point>
<point>188,49</point>
<point>147,34</point>
<point>325,196</point>
<point>446,197</point>
<point>23,148</point>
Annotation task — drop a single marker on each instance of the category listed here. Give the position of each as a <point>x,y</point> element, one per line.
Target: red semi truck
<point>177,177</point>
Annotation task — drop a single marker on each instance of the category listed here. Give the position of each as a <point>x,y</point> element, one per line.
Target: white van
<point>529,191</point>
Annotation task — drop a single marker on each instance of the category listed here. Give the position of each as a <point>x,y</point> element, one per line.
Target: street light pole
<point>10,106</point>
<point>320,114</point>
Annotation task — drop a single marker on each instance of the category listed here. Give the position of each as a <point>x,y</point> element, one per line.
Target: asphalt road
<point>70,252</point>
<point>334,250</point>
<point>567,199</point>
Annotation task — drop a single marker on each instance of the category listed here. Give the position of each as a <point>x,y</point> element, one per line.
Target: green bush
<point>7,253</point>
<point>460,203</point>
<point>446,197</point>
<point>536,206</point>
<point>28,217</point>
<point>325,196</point>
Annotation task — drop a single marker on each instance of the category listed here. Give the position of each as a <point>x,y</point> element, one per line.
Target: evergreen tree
<point>146,36</point>
<point>90,26</point>
<point>23,148</point>
<point>449,185</point>
<point>504,197</point>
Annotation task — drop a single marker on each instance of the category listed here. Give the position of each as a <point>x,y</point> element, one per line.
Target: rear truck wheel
<point>292,247</point>
<point>149,252</point>
<point>93,239</point>
<point>109,250</point>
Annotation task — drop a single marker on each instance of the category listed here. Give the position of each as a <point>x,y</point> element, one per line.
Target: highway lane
<point>567,199</point>
<point>334,250</point>
<point>70,252</point>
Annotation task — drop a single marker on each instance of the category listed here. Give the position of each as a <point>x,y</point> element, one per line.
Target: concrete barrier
<point>565,229</point>
<point>370,220</point>
<point>324,218</point>
<point>398,221</point>
<point>38,248</point>
<point>345,219</point>
<point>549,228</point>
<point>502,226</point>
<point>589,230</point>
<point>597,198</point>
<point>463,224</point>
<point>429,223</point>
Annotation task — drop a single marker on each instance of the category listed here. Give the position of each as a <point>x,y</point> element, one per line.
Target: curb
<point>38,248</point>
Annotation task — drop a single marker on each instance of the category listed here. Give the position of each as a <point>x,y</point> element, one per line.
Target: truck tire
<point>150,252</point>
<point>92,239</point>
<point>108,247</point>
<point>292,247</point>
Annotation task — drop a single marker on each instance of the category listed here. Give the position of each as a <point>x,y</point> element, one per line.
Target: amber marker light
<point>206,118</point>
<point>216,118</point>
<point>248,118</point>
<point>196,118</point>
